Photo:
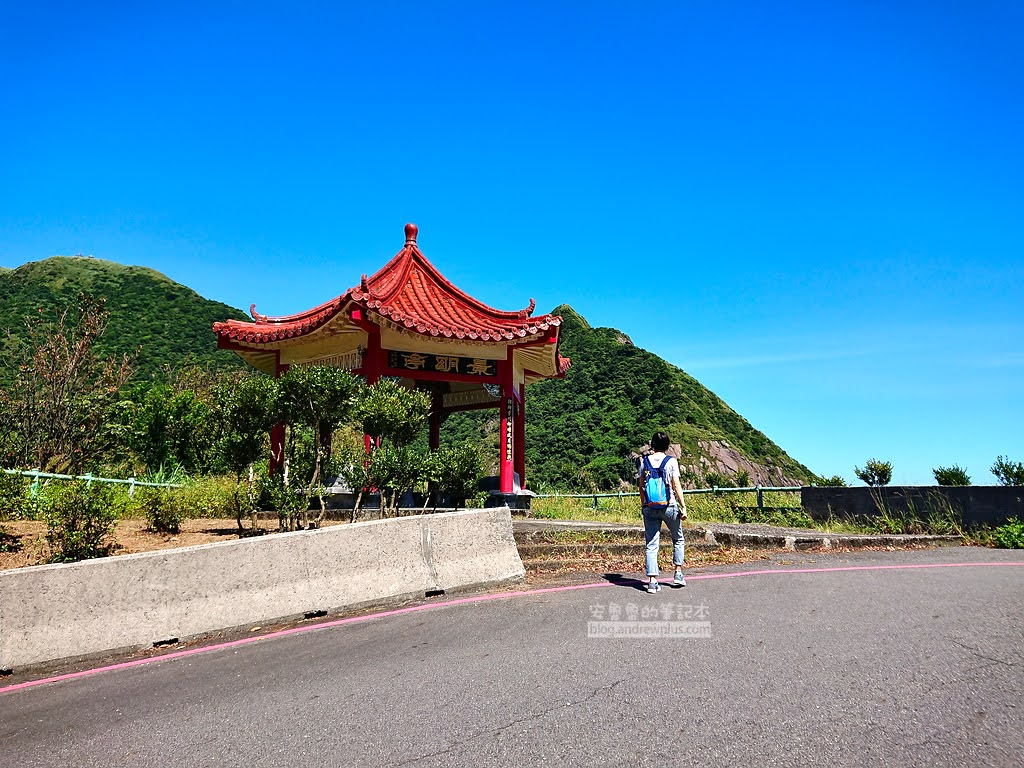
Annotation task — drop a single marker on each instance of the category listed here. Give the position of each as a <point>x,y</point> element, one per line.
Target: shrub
<point>836,481</point>
<point>289,501</point>
<point>951,476</point>
<point>782,518</point>
<point>875,473</point>
<point>717,480</point>
<point>458,471</point>
<point>212,496</point>
<point>162,507</point>
<point>392,412</point>
<point>1008,473</point>
<point>79,518</point>
<point>1010,535</point>
<point>14,499</point>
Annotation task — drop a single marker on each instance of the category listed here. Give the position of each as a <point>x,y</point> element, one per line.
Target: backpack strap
<point>660,468</point>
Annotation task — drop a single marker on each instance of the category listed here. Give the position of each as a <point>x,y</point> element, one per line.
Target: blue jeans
<point>653,518</point>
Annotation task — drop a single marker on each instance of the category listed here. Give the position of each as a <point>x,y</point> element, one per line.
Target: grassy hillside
<point>167,321</point>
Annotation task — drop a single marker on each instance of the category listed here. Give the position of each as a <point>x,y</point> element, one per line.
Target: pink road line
<point>466,600</point>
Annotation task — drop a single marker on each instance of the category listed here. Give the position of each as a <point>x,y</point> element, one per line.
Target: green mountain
<point>164,320</point>
<point>582,430</point>
<point>579,431</point>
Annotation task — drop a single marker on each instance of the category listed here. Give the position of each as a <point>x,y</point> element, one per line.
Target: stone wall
<point>976,505</point>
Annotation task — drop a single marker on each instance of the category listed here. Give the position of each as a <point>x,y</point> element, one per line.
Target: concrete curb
<point>73,610</point>
<point>734,535</point>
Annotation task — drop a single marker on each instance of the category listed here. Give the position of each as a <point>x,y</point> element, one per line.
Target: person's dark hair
<point>659,442</point>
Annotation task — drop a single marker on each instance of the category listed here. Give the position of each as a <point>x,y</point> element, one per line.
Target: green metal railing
<point>38,475</point>
<point>759,490</point>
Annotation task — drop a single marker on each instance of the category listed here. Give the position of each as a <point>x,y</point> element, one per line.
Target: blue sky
<point>830,194</point>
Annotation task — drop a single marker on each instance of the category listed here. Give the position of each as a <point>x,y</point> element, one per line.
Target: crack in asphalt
<point>978,654</point>
<point>527,718</point>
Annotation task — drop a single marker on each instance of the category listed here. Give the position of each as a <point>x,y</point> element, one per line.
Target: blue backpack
<point>655,483</point>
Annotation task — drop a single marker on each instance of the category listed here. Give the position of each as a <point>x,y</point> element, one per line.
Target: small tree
<point>1008,473</point>
<point>458,469</point>
<point>396,416</point>
<point>168,429</point>
<point>875,473</point>
<point>955,475</point>
<point>248,408</point>
<point>320,398</point>
<point>53,414</point>
<point>392,470</point>
<point>393,413</point>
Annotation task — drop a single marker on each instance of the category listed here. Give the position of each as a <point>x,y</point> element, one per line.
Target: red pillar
<point>506,461</point>
<point>435,420</point>
<point>520,436</point>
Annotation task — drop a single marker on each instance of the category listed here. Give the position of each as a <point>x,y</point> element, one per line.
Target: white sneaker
<point>679,581</point>
<point>653,586</point>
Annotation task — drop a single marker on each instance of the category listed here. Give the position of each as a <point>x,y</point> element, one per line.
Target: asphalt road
<point>909,666</point>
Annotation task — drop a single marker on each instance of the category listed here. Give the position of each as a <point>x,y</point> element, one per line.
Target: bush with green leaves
<point>458,471</point>
<point>875,473</point>
<point>80,518</point>
<point>1008,472</point>
<point>318,399</point>
<point>393,470</point>
<point>171,429</point>
<point>836,481</point>
<point>1010,535</point>
<point>162,507</point>
<point>288,499</point>
<point>953,476</point>
<point>393,413</point>
<point>14,497</point>
<point>249,409</point>
<point>209,496</point>
<point>717,480</point>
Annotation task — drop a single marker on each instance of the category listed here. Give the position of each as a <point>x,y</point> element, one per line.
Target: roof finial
<point>411,230</point>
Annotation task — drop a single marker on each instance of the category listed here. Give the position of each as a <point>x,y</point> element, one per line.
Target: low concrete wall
<point>976,504</point>
<point>62,611</point>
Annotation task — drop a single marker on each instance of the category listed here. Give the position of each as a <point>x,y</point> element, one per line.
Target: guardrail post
<point>760,499</point>
<point>131,486</point>
<point>34,487</point>
<point>595,501</point>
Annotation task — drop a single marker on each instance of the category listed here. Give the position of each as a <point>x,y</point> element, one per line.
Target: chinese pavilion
<point>409,322</point>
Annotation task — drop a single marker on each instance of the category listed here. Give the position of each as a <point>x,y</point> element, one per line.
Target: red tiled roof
<point>410,293</point>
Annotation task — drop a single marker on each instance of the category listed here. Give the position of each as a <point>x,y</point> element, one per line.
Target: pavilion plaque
<point>417,361</point>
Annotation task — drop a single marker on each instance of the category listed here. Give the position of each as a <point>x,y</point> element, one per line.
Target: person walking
<point>661,495</point>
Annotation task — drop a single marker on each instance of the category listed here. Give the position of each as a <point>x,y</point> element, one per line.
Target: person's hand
<point>682,514</point>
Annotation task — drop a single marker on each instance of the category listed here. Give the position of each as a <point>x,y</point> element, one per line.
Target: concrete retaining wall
<point>976,504</point>
<point>62,611</point>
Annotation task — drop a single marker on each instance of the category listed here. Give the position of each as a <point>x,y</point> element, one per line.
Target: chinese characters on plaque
<point>510,412</point>
<point>416,361</point>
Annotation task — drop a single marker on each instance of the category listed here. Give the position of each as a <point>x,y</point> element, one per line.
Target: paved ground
<point>886,666</point>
